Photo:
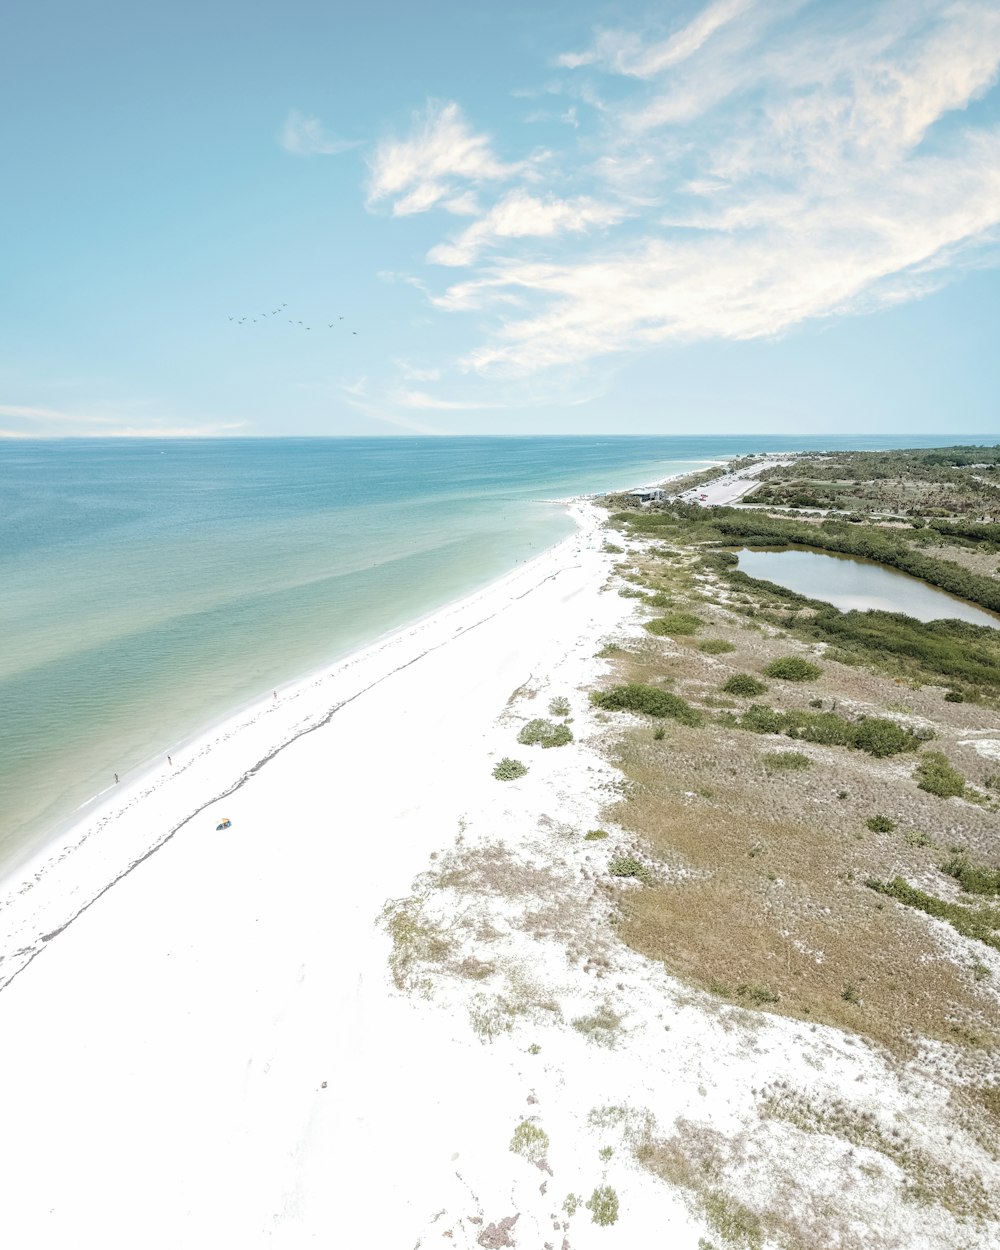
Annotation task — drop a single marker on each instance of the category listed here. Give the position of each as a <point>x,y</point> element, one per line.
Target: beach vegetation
<point>609,651</point>
<point>509,770</point>
<point>880,824</point>
<point>601,1027</point>
<point>571,1204</point>
<point>559,707</point>
<point>544,733</point>
<point>745,685</point>
<point>595,835</point>
<point>757,995</point>
<point>629,866</point>
<point>638,697</point>
<point>980,923</point>
<point>530,1142</point>
<point>792,668</point>
<point>973,878</point>
<point>603,1206</point>
<point>674,625</point>
<point>715,646</point>
<point>875,735</point>
<point>936,774</point>
<point>786,761</point>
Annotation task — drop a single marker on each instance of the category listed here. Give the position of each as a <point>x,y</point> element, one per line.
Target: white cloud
<point>627,53</point>
<point>442,151</point>
<point>304,136</point>
<point>522,215</point>
<point>421,399</point>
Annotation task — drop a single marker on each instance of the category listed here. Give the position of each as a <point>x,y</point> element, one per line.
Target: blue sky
<point>764,216</point>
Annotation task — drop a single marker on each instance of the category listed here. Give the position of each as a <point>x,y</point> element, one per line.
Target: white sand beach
<point>225,1048</point>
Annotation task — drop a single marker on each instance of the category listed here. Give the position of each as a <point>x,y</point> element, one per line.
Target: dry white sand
<point>214,1054</point>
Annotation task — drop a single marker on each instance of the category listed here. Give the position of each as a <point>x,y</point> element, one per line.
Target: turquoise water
<point>150,586</point>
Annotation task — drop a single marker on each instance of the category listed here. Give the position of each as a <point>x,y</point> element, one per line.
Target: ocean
<point>148,587</point>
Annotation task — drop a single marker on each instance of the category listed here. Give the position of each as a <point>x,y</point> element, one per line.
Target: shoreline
<point>259,732</point>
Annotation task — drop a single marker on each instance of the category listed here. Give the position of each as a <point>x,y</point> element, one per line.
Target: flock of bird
<point>277,312</point>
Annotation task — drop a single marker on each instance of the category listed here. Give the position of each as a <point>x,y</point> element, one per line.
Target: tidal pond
<point>859,585</point>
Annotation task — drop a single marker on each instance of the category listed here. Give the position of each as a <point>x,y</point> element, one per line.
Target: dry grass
<point>763,900</point>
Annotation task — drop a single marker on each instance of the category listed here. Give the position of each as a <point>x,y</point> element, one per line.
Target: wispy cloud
<point>58,422</point>
<point>758,166</point>
<point>521,215</point>
<point>303,135</point>
<point>434,163</point>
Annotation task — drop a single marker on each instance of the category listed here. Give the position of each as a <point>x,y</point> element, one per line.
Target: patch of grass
<point>601,1027</point>
<point>637,697</point>
<point>603,1205</point>
<point>786,761</point>
<point>530,1142</point>
<point>659,734</point>
<point>609,650</point>
<point>559,707</point>
<point>745,685</point>
<point>735,1223</point>
<point>605,1153</point>
<point>880,824</point>
<point>595,835</point>
<point>416,942</point>
<point>544,733</point>
<point>792,668</point>
<point>628,866</point>
<point>982,924</point>
<point>571,1204</point>
<point>509,770</point>
<point>758,995</point>
<point>850,994</point>
<point>973,878</point>
<point>715,646</point>
<point>674,625</point>
<point>938,776</point>
<point>612,549</point>
<point>916,837</point>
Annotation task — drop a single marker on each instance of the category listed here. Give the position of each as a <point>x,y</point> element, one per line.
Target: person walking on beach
<point>170,761</point>
<point>116,778</point>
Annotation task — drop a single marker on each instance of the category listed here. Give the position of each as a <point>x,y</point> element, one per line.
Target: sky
<point>739,216</point>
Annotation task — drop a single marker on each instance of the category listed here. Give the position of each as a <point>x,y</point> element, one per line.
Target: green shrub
<point>973,878</point>
<point>629,866</point>
<point>603,1205</point>
<point>637,697</point>
<point>559,707</point>
<point>544,733</point>
<point>715,646</point>
<point>881,738</point>
<point>509,770</point>
<point>761,719</point>
<point>936,775</point>
<point>786,761</point>
<point>530,1142</point>
<point>674,624</point>
<point>744,685</point>
<point>954,696</point>
<point>595,835</point>
<point>850,994</point>
<point>792,668</point>
<point>880,824</point>
<point>759,995</point>
<point>979,923</point>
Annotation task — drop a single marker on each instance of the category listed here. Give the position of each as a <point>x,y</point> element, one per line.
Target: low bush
<point>530,1142</point>
<point>603,1205</point>
<point>973,878</point>
<point>786,761</point>
<point>954,696</point>
<point>544,733</point>
<point>595,835</point>
<point>880,824</point>
<point>637,697</point>
<point>936,775</point>
<point>559,707</point>
<point>792,668</point>
<point>715,646</point>
<point>509,770</point>
<point>674,624</point>
<point>979,923</point>
<point>744,685</point>
<point>629,866</point>
<point>877,736</point>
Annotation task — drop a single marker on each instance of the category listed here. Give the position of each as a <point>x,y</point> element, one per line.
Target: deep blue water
<point>147,587</point>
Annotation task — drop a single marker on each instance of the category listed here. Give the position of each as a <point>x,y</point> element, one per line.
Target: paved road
<point>731,486</point>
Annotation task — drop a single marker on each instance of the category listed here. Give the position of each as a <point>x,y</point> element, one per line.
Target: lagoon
<point>851,584</point>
